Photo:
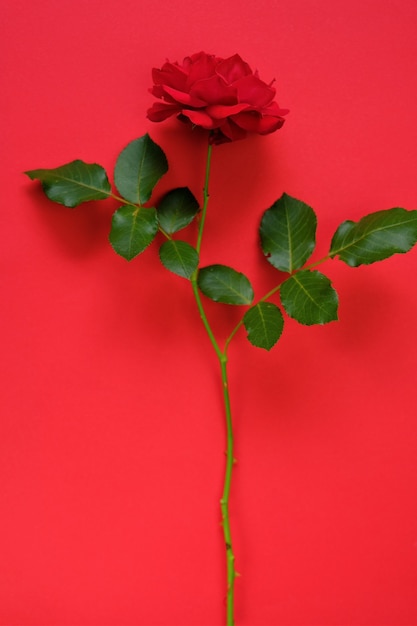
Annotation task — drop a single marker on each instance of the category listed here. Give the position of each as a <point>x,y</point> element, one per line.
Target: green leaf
<point>264,323</point>
<point>224,284</point>
<point>375,237</point>
<point>177,209</point>
<point>309,298</point>
<point>179,257</point>
<point>138,168</point>
<point>73,183</point>
<point>288,233</point>
<point>133,229</point>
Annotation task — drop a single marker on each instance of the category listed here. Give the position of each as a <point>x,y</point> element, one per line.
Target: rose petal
<point>159,92</point>
<point>233,68</point>
<point>160,111</point>
<point>231,131</point>
<point>203,66</point>
<point>170,75</point>
<point>199,118</point>
<point>221,111</point>
<point>273,109</point>
<point>254,91</point>
<point>255,123</point>
<point>197,56</point>
<point>214,90</point>
<point>184,98</point>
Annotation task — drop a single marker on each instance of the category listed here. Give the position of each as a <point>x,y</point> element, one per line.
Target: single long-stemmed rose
<point>227,99</point>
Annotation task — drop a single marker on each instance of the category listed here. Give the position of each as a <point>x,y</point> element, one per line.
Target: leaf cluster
<point>287,235</point>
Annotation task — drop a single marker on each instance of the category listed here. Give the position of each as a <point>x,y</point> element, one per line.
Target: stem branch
<point>205,199</point>
<point>268,295</point>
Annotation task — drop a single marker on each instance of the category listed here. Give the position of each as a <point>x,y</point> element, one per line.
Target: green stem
<point>204,319</point>
<point>205,198</point>
<point>123,200</point>
<point>319,262</point>
<point>222,358</point>
<point>224,502</point>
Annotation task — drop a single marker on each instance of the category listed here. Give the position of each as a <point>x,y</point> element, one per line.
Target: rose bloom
<point>223,96</point>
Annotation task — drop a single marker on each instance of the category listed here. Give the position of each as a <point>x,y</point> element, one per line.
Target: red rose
<point>222,95</point>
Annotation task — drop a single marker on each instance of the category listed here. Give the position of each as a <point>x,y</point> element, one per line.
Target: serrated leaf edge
<point>246,303</point>
<point>333,253</point>
<point>172,242</point>
<point>48,183</point>
<point>135,211</point>
<point>294,277</point>
<point>263,324</point>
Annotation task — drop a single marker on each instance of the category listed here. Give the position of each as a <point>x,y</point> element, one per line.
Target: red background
<point>112,435</point>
